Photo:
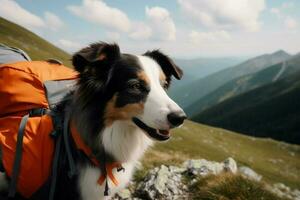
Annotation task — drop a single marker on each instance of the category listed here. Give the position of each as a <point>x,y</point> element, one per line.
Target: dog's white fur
<point>158,104</point>
<point>127,143</point>
<point>124,140</point>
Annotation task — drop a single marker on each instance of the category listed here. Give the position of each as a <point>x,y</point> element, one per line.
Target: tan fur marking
<point>126,112</point>
<point>162,76</point>
<point>143,76</point>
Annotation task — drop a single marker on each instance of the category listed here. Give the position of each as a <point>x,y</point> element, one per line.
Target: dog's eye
<point>165,84</point>
<point>135,86</point>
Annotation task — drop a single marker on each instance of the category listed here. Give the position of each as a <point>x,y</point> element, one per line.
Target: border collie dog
<point>119,107</point>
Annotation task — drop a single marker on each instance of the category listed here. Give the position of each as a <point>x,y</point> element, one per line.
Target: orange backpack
<point>28,90</point>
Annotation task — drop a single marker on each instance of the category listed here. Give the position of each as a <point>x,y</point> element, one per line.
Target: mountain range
<point>192,92</point>
<point>195,69</point>
<point>272,111</point>
<point>246,83</point>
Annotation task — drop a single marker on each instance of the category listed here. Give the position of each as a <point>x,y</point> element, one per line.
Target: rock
<point>282,187</point>
<point>174,169</point>
<point>284,191</point>
<point>249,173</point>
<point>161,179</point>
<point>296,193</point>
<point>203,167</point>
<point>124,194</point>
<point>163,183</point>
<point>230,165</point>
<point>193,181</point>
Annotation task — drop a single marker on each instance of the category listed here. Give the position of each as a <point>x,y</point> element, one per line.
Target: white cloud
<point>12,11</point>
<point>279,11</point>
<point>69,45</point>
<point>275,11</point>
<point>113,36</point>
<point>141,31</point>
<point>290,22</point>
<point>225,14</point>
<point>98,12</point>
<point>202,37</point>
<point>161,23</point>
<point>53,22</point>
<point>158,25</point>
<point>288,5</point>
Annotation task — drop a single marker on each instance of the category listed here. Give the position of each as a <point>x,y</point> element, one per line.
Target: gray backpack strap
<point>12,54</point>
<point>66,136</point>
<point>56,92</point>
<point>19,147</point>
<point>2,169</point>
<point>57,135</point>
<point>18,158</point>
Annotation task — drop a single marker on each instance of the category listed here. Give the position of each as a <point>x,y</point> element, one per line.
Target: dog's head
<point>132,88</point>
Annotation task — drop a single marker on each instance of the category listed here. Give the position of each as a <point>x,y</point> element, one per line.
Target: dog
<point>118,107</point>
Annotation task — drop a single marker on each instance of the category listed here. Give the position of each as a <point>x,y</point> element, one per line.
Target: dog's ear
<point>97,56</point>
<point>167,64</point>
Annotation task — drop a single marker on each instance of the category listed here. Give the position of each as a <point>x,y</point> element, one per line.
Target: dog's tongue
<point>164,132</point>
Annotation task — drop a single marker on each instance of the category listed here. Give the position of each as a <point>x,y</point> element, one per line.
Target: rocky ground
<point>173,182</point>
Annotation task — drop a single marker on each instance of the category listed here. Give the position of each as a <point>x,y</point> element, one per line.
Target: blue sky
<point>181,28</point>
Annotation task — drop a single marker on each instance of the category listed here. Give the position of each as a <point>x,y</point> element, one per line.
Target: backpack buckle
<point>37,112</point>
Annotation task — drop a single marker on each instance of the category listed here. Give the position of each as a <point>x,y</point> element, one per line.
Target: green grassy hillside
<point>245,83</point>
<point>194,91</point>
<point>269,111</point>
<point>38,49</point>
<point>276,161</point>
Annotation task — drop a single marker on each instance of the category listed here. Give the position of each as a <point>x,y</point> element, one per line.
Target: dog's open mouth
<point>160,135</point>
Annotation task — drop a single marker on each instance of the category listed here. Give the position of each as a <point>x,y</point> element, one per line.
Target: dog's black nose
<point>176,118</point>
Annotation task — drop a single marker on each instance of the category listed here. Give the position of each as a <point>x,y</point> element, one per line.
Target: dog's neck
<point>124,141</point>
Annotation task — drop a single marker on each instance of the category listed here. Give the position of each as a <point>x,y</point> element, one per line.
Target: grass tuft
<point>229,187</point>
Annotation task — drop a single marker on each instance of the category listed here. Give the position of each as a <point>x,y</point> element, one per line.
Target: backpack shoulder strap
<point>19,146</point>
<point>18,157</point>
<point>57,134</point>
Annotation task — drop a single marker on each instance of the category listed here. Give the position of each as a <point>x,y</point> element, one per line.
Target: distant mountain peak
<point>281,53</point>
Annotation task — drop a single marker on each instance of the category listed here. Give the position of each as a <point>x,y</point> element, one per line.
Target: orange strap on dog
<point>87,150</point>
<point>109,167</point>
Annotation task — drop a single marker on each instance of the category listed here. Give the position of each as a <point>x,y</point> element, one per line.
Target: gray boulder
<point>284,191</point>
<point>230,165</point>
<point>163,183</point>
<point>124,194</point>
<point>249,173</point>
<point>204,167</point>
